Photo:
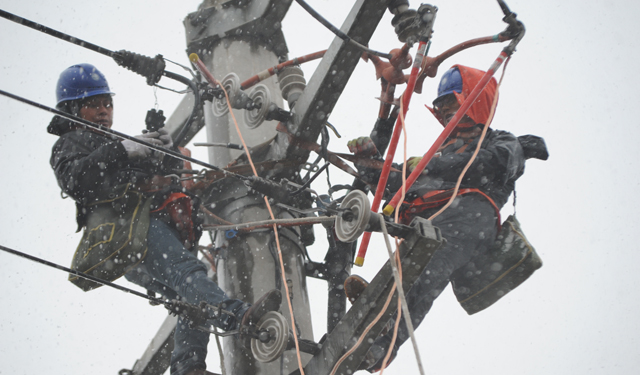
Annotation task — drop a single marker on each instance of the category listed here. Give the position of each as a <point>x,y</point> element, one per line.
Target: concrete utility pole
<point>244,37</point>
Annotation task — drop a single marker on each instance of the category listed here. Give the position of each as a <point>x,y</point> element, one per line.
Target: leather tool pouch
<point>504,267</point>
<point>114,238</point>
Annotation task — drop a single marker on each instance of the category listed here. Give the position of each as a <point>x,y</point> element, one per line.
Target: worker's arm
<point>80,168</point>
<point>500,159</point>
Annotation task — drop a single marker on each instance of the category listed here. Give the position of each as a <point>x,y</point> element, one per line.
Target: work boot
<point>268,302</point>
<point>354,285</point>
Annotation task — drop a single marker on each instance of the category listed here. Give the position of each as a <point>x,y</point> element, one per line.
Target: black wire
<point>326,137</point>
<point>310,170</point>
<point>504,7</point>
<point>81,274</point>
<point>338,32</point>
<point>120,135</point>
<point>57,34</point>
<point>116,56</point>
<point>306,184</point>
<point>274,253</point>
<point>323,151</point>
<point>321,155</point>
<point>170,305</point>
<point>196,104</point>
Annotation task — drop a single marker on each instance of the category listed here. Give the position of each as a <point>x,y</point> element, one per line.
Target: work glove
<point>362,146</point>
<point>165,137</point>
<point>138,151</point>
<point>412,162</point>
<point>167,143</point>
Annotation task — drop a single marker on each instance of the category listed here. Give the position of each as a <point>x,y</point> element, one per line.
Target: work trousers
<point>469,227</point>
<point>172,271</point>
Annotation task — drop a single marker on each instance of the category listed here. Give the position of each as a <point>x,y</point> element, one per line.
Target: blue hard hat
<point>450,82</point>
<point>81,81</point>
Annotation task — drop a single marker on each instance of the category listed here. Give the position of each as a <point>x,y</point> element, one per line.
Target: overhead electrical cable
<point>118,134</point>
<point>338,32</point>
<point>55,33</point>
<point>151,68</point>
<point>80,274</point>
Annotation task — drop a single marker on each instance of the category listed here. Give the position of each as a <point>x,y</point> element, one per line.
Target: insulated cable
<point>174,306</point>
<point>338,32</point>
<point>213,144</point>
<point>55,33</point>
<point>276,69</point>
<point>118,134</point>
<point>81,274</point>
<point>150,68</point>
<point>269,223</point>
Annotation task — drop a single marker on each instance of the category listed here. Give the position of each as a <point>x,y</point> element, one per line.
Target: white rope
<point>295,221</point>
<point>224,371</point>
<point>405,307</point>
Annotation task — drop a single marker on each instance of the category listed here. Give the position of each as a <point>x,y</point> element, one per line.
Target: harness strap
<point>178,207</point>
<point>172,197</point>
<point>437,198</point>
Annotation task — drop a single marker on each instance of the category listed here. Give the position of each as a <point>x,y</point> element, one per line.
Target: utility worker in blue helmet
<point>472,221</point>
<point>129,226</point>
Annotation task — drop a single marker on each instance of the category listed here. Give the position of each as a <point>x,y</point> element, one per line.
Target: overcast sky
<point>571,81</point>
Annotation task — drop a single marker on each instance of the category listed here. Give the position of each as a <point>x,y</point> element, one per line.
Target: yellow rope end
<point>388,210</point>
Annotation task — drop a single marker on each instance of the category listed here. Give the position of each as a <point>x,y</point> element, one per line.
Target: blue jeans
<point>469,227</point>
<point>172,271</point>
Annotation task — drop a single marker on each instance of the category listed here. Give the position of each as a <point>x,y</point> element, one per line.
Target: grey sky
<point>571,81</point>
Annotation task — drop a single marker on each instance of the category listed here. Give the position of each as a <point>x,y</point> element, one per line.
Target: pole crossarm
<point>415,252</point>
<point>316,103</point>
<point>229,19</point>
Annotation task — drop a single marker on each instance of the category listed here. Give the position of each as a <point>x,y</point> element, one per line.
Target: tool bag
<point>504,267</point>
<point>114,238</point>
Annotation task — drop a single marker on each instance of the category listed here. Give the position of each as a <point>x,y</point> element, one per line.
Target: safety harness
<point>438,198</point>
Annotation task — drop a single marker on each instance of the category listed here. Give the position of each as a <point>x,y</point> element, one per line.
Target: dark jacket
<point>89,165</point>
<point>494,171</point>
<point>499,163</point>
<point>95,171</point>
